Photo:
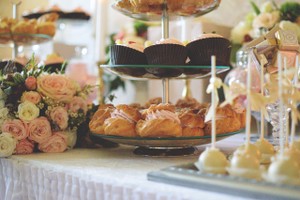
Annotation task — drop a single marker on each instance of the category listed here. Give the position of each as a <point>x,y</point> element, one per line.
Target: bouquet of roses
<point>39,111</point>
<point>263,18</point>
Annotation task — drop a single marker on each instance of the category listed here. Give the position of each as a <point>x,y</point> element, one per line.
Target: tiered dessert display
<point>16,32</point>
<point>163,129</point>
<point>257,170</point>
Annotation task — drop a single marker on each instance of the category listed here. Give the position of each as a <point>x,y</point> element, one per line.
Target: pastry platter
<point>177,9</point>
<point>21,39</point>
<point>165,146</point>
<point>139,72</point>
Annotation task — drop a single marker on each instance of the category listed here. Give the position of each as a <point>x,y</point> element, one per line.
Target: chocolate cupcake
<point>130,53</point>
<point>166,52</point>
<point>201,49</point>
<point>10,67</point>
<point>77,13</point>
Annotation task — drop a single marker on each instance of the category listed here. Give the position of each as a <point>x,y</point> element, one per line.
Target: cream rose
<point>24,147</point>
<point>39,129</point>
<point>57,87</point>
<point>28,111</point>
<point>31,96</point>
<point>16,127</point>
<point>3,113</point>
<point>76,104</point>
<point>55,144</point>
<point>266,20</point>
<point>238,33</point>
<point>60,117</point>
<point>71,138</point>
<point>7,144</point>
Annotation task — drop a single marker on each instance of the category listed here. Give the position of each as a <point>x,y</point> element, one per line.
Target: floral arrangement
<point>40,111</point>
<point>265,17</point>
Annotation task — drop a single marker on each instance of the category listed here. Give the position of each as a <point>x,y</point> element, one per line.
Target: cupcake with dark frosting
<point>128,53</point>
<point>166,52</point>
<point>203,47</point>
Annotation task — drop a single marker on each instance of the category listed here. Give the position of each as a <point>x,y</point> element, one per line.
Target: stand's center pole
<point>165,34</point>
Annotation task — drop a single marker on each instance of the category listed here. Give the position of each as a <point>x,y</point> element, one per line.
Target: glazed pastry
<point>227,121</point>
<point>160,121</point>
<point>192,124</point>
<point>50,17</point>
<point>155,101</point>
<point>47,28</point>
<point>26,27</point>
<point>97,121</point>
<point>122,121</point>
<point>4,27</point>
<point>187,102</point>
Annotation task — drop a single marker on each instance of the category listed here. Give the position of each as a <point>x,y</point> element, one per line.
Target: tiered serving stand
<point>15,40</point>
<point>174,146</point>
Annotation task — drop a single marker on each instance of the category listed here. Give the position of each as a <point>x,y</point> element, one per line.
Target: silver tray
<point>188,176</point>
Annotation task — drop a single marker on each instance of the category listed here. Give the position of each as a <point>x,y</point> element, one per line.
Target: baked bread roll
<point>97,121</point>
<point>160,121</point>
<point>24,26</point>
<point>192,123</point>
<point>122,121</point>
<point>187,102</point>
<point>153,101</point>
<point>47,28</point>
<point>227,121</point>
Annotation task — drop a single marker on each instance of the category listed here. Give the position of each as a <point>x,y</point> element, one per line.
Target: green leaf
<point>255,8</point>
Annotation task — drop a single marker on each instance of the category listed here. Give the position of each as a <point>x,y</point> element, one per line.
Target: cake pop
<point>212,160</point>
<point>264,146</point>
<point>245,160</point>
<point>284,167</point>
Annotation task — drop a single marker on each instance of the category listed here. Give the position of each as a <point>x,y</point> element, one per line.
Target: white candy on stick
<point>284,168</point>
<point>245,160</point>
<point>212,160</point>
<point>264,146</point>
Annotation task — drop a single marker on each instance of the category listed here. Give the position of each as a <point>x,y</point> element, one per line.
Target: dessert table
<point>112,173</point>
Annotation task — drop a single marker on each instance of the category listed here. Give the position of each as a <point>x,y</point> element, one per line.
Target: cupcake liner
<point>122,55</point>
<point>166,54</point>
<point>75,15</point>
<point>53,67</point>
<point>200,51</point>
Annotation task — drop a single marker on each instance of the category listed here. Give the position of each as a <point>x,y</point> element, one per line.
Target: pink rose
<point>56,86</point>
<point>55,144</point>
<point>59,116</point>
<point>24,147</point>
<point>77,103</point>
<point>30,83</point>
<point>31,96</point>
<point>16,127</point>
<point>39,129</point>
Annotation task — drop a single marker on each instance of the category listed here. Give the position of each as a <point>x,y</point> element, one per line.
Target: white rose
<point>266,20</point>
<point>4,113</point>
<point>71,138</point>
<point>287,25</point>
<point>2,103</point>
<point>28,111</point>
<point>238,32</point>
<point>7,145</point>
<point>2,95</point>
<point>267,7</point>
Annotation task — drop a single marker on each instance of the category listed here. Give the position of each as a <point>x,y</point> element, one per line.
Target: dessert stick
<point>281,110</point>
<point>287,129</point>
<point>248,108</point>
<point>293,128</point>
<point>262,116</point>
<point>213,102</point>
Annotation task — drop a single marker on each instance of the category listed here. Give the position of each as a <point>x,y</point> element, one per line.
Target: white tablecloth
<point>96,174</point>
